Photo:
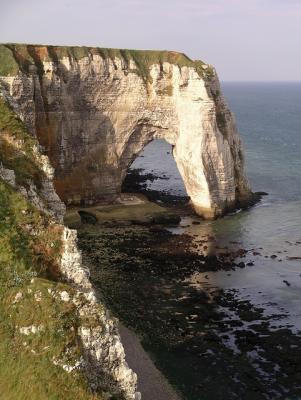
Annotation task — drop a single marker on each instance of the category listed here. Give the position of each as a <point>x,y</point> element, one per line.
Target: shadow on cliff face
<point>77,136</point>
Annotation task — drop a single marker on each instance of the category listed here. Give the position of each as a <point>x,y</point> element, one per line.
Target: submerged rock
<point>87,217</point>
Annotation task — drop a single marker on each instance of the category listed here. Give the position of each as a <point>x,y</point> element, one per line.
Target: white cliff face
<point>95,114</point>
<point>103,353</point>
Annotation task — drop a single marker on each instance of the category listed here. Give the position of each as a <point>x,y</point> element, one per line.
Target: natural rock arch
<point>94,111</point>
<point>143,136</point>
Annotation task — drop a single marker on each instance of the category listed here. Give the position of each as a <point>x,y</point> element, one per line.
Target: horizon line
<point>259,81</point>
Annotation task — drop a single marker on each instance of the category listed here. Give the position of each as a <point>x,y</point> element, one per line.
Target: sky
<point>246,40</point>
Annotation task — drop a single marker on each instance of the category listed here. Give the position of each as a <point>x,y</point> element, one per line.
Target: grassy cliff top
<point>20,56</point>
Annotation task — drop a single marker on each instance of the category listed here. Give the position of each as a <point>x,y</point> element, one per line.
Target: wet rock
<point>262,193</point>
<point>175,319</point>
<point>87,217</point>
<point>166,219</point>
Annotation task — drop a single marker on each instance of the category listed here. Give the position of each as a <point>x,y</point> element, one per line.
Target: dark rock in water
<point>287,283</point>
<point>250,264</point>
<point>166,219</point>
<point>241,265</point>
<point>273,256</point>
<point>241,253</point>
<point>195,222</point>
<point>249,202</point>
<point>262,193</point>
<point>136,182</point>
<point>87,217</point>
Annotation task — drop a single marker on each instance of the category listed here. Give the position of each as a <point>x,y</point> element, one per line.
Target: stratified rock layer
<point>94,110</point>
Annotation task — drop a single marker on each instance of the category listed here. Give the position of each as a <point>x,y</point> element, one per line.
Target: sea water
<point>232,333</point>
<point>268,116</point>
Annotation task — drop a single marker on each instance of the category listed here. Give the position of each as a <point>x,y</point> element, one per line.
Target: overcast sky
<point>244,39</point>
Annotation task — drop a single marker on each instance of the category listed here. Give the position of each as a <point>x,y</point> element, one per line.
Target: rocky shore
<point>210,343</point>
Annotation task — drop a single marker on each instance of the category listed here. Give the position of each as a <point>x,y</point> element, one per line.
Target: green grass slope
<point>21,56</point>
<point>16,148</point>
<point>29,252</point>
<point>38,330</point>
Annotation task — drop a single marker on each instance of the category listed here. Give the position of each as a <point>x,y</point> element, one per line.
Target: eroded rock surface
<point>93,110</point>
<point>40,263</point>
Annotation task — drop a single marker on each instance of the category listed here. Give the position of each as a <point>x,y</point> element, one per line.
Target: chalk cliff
<point>56,337</point>
<point>93,110</point>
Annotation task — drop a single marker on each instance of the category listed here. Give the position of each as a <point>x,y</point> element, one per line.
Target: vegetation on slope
<point>8,65</point>
<point>39,345</point>
<point>37,328</point>
<point>26,55</point>
<point>16,147</point>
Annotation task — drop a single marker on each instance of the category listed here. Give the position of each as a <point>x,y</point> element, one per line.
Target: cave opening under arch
<point>154,173</point>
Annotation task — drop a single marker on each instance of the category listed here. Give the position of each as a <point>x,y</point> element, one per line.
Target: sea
<point>268,116</point>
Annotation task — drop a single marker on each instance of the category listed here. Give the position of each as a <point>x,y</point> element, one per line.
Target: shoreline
<point>157,283</point>
<point>152,384</point>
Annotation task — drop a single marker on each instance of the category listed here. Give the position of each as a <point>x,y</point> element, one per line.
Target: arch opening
<point>153,172</point>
